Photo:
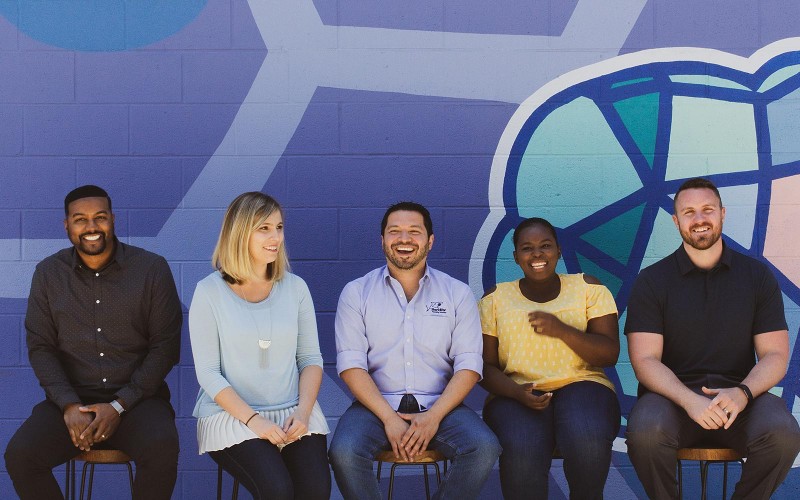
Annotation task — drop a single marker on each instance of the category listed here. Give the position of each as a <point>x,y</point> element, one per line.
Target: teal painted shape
<point>779,77</point>
<point>617,236</point>
<point>740,212</point>
<point>100,25</point>
<point>611,282</point>
<point>640,116</point>
<point>784,128</point>
<point>573,143</point>
<point>707,80</point>
<point>630,82</point>
<point>627,377</point>
<point>710,136</point>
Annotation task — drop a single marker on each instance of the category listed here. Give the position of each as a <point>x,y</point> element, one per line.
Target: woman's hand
<point>296,426</point>
<point>534,401</point>
<point>545,323</point>
<point>267,429</point>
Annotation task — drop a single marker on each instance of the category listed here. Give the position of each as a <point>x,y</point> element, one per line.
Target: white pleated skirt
<point>219,431</point>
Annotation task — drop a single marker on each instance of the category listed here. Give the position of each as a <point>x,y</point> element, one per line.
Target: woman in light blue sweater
<point>257,358</point>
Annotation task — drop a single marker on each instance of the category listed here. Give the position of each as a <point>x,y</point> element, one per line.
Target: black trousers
<point>300,471</point>
<point>147,434</point>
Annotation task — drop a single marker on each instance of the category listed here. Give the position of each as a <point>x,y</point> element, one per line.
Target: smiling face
<point>90,228</point>
<point>266,240</point>
<point>537,252</point>
<point>699,215</point>
<point>405,240</point>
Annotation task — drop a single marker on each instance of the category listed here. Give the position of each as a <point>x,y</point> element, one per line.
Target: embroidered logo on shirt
<point>435,307</point>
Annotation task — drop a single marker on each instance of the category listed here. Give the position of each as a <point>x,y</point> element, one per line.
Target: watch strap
<point>115,404</point>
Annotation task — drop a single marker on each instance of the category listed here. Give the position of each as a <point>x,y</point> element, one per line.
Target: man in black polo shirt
<point>103,330</point>
<point>696,321</point>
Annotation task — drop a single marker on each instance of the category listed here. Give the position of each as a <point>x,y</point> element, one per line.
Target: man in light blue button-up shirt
<point>408,342</point>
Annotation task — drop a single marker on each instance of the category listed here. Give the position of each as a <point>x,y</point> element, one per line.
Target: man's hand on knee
<point>395,429</point>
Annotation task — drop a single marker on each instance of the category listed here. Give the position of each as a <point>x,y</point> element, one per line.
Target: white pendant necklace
<point>263,343</point>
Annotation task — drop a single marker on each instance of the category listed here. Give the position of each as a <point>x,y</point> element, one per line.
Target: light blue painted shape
<point>710,136</point>
<point>574,142</point>
<point>707,80</point>
<point>664,239</point>
<point>779,77</point>
<point>793,319</point>
<point>101,25</point>
<point>740,212</point>
<point>784,128</point>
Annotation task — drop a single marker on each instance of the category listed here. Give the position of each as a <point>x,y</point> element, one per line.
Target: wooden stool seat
<point>426,458</point>
<point>707,456</point>
<point>90,459</point>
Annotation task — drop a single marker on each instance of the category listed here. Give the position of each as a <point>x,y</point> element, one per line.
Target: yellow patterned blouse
<point>526,356</point>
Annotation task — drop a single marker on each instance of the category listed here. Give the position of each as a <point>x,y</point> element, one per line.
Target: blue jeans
<point>462,437</point>
<point>299,471</point>
<point>582,421</point>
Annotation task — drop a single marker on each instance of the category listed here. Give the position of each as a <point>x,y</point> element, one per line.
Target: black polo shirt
<point>708,318</point>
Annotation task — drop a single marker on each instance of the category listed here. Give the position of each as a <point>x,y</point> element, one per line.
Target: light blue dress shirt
<point>408,346</point>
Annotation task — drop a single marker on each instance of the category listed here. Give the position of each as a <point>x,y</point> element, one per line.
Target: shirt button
<point>408,363</point>
<point>99,329</point>
<point>102,354</point>
<point>408,340</point>
<point>408,317</point>
<point>104,380</point>
<point>97,274</point>
<point>97,301</point>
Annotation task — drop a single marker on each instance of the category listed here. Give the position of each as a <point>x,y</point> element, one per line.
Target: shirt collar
<point>425,277</point>
<point>685,264</point>
<point>118,256</point>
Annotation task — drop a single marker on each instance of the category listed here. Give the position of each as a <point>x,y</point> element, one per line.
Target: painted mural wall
<point>587,112</point>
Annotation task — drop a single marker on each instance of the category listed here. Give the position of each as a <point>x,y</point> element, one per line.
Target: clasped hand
<point>545,323</point>
<point>90,424</point>
<point>411,433</point>
<point>295,427</point>
<point>719,412</point>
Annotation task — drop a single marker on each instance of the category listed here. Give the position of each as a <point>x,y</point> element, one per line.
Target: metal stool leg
<point>391,480</point>
<point>427,485</point>
<point>219,482</point>
<point>703,479</point>
<point>680,480</point>
<point>379,470</point>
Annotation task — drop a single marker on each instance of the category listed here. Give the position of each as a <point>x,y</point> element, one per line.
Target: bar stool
<point>90,459</point>
<point>707,456</point>
<point>234,493</point>
<point>426,458</point>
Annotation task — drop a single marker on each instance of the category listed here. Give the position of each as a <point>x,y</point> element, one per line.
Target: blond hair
<point>231,255</point>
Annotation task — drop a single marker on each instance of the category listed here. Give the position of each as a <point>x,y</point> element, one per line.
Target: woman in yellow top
<point>546,339</point>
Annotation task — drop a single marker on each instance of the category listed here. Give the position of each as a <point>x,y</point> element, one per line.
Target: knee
<point>20,456</point>
<point>346,450</point>
<point>485,445</point>
<point>162,449</point>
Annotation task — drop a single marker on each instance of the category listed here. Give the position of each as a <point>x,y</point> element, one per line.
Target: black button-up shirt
<point>708,318</point>
<point>94,336</point>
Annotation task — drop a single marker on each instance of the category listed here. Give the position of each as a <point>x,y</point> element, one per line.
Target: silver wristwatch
<point>115,404</point>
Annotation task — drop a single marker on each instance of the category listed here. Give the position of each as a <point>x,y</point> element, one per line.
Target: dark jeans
<point>147,433</point>
<point>299,471</point>
<point>765,432</point>
<point>582,420</point>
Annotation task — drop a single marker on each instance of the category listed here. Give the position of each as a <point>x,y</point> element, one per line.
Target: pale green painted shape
<point>708,80</point>
<point>777,390</point>
<point>640,116</point>
<point>779,77</point>
<point>616,237</point>
<point>740,212</point>
<point>664,239</point>
<point>631,82</point>
<point>710,136</point>
<point>612,282</point>
<point>796,406</point>
<point>505,268</point>
<point>573,157</point>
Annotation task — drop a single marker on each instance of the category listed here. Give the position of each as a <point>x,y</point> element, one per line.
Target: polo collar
<point>685,264</point>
